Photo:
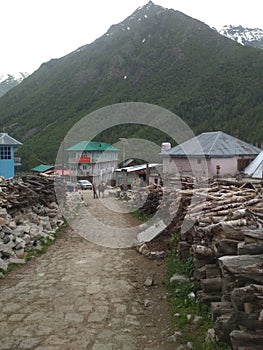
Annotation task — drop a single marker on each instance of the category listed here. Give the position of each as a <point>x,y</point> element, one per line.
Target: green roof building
<point>92,160</point>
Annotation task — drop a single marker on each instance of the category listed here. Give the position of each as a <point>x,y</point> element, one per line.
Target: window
<point>5,152</point>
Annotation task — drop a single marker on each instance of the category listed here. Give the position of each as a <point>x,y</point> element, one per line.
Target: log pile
<point>29,216</point>
<point>221,227</point>
<point>226,242</point>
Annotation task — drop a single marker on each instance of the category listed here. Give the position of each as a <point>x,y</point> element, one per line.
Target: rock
<point>20,243</point>
<point>211,335</point>
<point>146,303</point>
<point>179,278</point>
<point>3,213</point>
<point>12,224</point>
<point>6,239</point>
<point>6,250</point>
<point>3,265</point>
<point>149,282</point>
<point>16,261</point>
<point>173,338</point>
<point>19,231</point>
<point>2,221</point>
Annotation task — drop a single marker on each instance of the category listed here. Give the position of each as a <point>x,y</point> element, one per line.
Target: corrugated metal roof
<point>92,146</point>
<point>42,168</point>
<point>255,168</point>
<point>130,169</point>
<point>5,139</point>
<point>212,145</point>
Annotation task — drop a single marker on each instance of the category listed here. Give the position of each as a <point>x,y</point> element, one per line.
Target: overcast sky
<point>35,31</point>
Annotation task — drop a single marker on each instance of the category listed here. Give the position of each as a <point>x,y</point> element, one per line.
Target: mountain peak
<point>8,81</point>
<point>243,35</point>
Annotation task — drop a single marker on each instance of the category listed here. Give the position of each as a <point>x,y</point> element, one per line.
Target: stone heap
<point>29,217</point>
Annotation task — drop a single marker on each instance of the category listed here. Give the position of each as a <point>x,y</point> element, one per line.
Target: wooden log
<point>252,236</point>
<point>183,250</point>
<point>212,271</point>
<point>219,308</point>
<point>225,324</point>
<point>226,247</point>
<point>246,267</point>
<point>208,298</point>
<point>200,273</point>
<point>250,249</point>
<point>243,340</point>
<point>211,284</point>
<point>200,261</point>
<point>248,297</point>
<point>248,320</point>
<point>202,250</point>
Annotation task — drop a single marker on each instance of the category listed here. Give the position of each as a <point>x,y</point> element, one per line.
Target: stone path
<point>79,295</point>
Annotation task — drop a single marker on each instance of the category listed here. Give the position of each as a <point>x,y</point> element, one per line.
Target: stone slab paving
<point>79,295</point>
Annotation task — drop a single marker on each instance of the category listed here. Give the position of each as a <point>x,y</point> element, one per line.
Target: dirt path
<point>79,295</point>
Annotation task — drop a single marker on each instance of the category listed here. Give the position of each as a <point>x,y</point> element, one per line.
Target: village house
<point>8,161</point>
<point>209,154</point>
<point>92,160</point>
<point>139,175</point>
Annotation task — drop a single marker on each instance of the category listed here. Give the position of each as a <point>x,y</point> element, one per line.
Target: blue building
<point>7,159</point>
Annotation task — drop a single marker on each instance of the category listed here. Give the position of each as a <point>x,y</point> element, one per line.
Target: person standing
<point>101,189</point>
<point>94,188</point>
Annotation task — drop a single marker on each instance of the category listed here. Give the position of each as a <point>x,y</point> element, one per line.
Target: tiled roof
<point>212,145</point>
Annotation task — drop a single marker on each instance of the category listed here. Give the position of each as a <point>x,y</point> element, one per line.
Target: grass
<point>191,318</point>
<point>140,215</point>
<point>33,252</point>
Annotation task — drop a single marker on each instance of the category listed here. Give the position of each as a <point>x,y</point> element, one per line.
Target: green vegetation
<point>191,318</point>
<point>210,81</point>
<point>140,215</point>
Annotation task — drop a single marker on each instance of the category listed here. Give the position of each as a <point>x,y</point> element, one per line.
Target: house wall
<point>185,166</point>
<point>228,166</point>
<point>201,166</point>
<point>101,165</point>
<point>7,166</point>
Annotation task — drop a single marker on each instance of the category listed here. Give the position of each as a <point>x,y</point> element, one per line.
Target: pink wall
<point>185,166</point>
<point>202,167</point>
<point>228,166</point>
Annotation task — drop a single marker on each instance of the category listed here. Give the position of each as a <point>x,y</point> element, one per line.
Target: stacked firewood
<point>226,242</point>
<point>30,190</point>
<point>147,199</point>
<point>220,226</point>
<point>29,216</point>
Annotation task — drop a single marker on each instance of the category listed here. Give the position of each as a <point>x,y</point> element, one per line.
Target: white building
<point>92,160</point>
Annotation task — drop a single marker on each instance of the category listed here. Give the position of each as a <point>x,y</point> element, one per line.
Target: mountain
<point>244,36</point>
<point>9,81</point>
<point>156,55</point>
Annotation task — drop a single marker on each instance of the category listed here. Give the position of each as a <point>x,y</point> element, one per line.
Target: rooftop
<point>211,145</point>
<point>5,139</point>
<point>92,146</point>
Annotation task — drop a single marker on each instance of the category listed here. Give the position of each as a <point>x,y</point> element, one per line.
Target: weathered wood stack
<point>147,199</point>
<point>29,215</point>
<point>226,242</point>
<point>221,227</point>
